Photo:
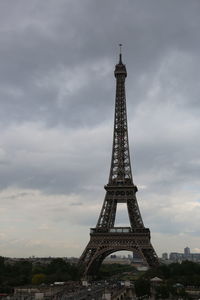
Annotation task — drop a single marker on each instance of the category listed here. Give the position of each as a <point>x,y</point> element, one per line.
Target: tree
<point>38,279</point>
<point>142,287</point>
<point>162,292</point>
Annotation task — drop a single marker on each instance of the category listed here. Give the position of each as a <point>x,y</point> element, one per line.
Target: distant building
<point>186,251</point>
<point>177,257</point>
<point>137,258</point>
<point>114,259</point>
<point>187,255</point>
<point>142,268</point>
<point>165,256</point>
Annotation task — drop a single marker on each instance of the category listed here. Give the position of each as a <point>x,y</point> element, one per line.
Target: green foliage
<point>39,268</point>
<point>1,263</point>
<point>38,279</point>
<point>162,292</point>
<point>59,270</point>
<point>109,270</point>
<point>142,287</point>
<point>175,278</point>
<point>24,272</point>
<point>186,273</point>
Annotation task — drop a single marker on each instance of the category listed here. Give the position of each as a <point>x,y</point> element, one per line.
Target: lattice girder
<point>115,195</point>
<point>102,245</point>
<point>106,238</point>
<point>120,164</point>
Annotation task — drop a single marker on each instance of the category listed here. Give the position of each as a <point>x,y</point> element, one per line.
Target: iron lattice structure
<point>105,238</point>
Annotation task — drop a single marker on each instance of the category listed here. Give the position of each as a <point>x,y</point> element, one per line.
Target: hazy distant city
<point>166,258</point>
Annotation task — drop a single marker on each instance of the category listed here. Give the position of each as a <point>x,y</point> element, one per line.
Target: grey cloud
<point>57,92</point>
<point>76,204</point>
<point>29,51</point>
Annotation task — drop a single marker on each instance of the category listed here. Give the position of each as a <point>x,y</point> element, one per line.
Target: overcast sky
<point>57,92</point>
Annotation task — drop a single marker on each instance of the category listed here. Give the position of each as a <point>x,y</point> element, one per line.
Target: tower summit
<point>105,238</point>
<point>120,171</point>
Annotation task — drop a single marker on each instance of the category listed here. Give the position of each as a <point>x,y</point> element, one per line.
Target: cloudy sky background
<point>57,92</point>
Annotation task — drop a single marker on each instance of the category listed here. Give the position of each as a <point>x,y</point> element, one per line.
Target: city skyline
<point>57,95</point>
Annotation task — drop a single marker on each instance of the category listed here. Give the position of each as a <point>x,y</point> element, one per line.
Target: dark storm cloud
<point>57,92</point>
<point>51,38</point>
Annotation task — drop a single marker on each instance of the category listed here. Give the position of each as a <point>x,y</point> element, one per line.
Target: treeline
<point>110,270</point>
<point>25,273</point>
<point>187,273</point>
<point>175,278</point>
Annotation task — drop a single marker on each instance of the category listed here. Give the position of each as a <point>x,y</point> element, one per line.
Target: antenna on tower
<point>120,53</point>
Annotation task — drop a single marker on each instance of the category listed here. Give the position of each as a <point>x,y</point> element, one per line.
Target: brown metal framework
<point>106,238</point>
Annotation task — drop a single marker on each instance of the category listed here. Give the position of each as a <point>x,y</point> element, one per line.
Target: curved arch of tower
<point>105,238</point>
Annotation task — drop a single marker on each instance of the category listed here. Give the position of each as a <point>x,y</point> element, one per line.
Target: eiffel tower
<point>106,238</point>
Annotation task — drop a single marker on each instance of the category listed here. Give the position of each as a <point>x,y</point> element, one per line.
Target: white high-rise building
<point>186,251</point>
<point>165,256</point>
